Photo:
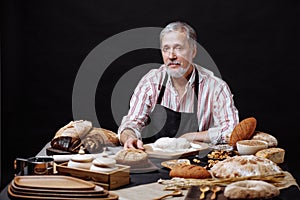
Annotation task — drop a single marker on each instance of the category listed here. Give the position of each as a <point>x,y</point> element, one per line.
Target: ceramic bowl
<point>250,147</point>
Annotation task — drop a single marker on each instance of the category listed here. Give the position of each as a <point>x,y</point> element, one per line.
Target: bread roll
<point>271,140</point>
<point>274,154</point>
<point>243,131</point>
<point>190,171</point>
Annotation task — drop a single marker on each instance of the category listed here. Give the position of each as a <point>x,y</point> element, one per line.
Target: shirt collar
<point>191,80</point>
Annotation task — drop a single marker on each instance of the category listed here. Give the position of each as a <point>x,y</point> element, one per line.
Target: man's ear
<point>194,52</point>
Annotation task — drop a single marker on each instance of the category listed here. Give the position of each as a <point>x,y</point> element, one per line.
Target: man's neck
<point>180,83</point>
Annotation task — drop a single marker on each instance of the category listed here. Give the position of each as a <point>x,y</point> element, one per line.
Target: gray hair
<point>181,27</point>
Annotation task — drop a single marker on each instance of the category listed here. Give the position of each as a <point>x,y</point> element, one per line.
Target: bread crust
<point>242,166</point>
<point>271,140</point>
<point>274,154</point>
<point>190,171</point>
<point>250,189</point>
<point>98,138</point>
<point>132,157</point>
<point>243,131</point>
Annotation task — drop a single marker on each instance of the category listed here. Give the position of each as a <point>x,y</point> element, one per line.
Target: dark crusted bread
<point>81,133</point>
<point>243,130</point>
<point>190,171</point>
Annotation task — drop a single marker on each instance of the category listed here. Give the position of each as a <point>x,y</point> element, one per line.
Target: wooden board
<point>13,195</point>
<point>108,180</point>
<point>52,182</point>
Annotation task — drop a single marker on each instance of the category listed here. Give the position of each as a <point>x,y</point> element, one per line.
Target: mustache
<point>173,63</point>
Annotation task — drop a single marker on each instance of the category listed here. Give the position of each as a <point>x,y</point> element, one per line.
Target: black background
<point>43,43</point>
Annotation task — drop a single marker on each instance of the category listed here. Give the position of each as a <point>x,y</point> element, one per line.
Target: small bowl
<point>250,147</point>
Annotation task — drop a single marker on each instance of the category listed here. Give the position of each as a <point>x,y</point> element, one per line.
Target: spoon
<point>176,193</point>
<point>203,189</point>
<point>215,189</point>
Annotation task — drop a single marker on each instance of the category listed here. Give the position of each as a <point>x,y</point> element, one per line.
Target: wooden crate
<point>108,180</point>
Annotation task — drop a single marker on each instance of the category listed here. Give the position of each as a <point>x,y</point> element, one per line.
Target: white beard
<point>177,73</point>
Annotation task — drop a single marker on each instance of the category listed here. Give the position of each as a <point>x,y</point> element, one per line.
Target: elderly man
<point>180,98</point>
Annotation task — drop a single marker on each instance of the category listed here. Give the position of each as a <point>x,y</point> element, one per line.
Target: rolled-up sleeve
<point>225,115</point>
<point>140,106</point>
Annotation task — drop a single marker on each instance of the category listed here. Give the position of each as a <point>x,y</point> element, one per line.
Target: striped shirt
<point>216,110</point>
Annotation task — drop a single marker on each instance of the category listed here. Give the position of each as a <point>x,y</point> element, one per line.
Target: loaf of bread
<point>98,138</point>
<point>190,171</point>
<point>242,166</point>
<point>68,138</point>
<point>274,154</point>
<point>132,157</point>
<point>250,189</point>
<point>271,140</point>
<point>243,131</point>
<point>81,133</point>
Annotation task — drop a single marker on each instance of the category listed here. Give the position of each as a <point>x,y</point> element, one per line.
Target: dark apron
<point>164,122</point>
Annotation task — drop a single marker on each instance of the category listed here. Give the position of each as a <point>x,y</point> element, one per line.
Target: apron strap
<point>162,91</point>
<point>196,89</point>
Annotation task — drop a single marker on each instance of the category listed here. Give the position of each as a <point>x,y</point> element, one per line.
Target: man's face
<point>177,53</point>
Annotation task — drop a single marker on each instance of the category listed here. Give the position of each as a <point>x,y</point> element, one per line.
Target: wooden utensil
<point>176,193</point>
<point>215,189</point>
<point>203,189</point>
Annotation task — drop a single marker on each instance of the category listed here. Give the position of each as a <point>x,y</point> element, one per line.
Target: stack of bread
<point>245,130</point>
<point>238,170</point>
<point>81,133</point>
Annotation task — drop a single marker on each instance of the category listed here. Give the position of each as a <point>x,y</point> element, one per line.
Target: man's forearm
<point>201,136</point>
<point>126,134</point>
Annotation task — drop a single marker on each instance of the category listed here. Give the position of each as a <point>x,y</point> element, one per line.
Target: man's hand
<point>133,143</point>
<point>129,140</point>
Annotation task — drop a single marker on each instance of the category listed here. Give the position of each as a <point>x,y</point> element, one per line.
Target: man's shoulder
<point>208,75</point>
<point>155,73</point>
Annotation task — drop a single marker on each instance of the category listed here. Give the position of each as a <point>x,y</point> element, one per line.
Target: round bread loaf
<point>274,154</point>
<point>250,189</point>
<point>271,140</point>
<point>132,157</point>
<point>242,166</point>
<point>243,131</point>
